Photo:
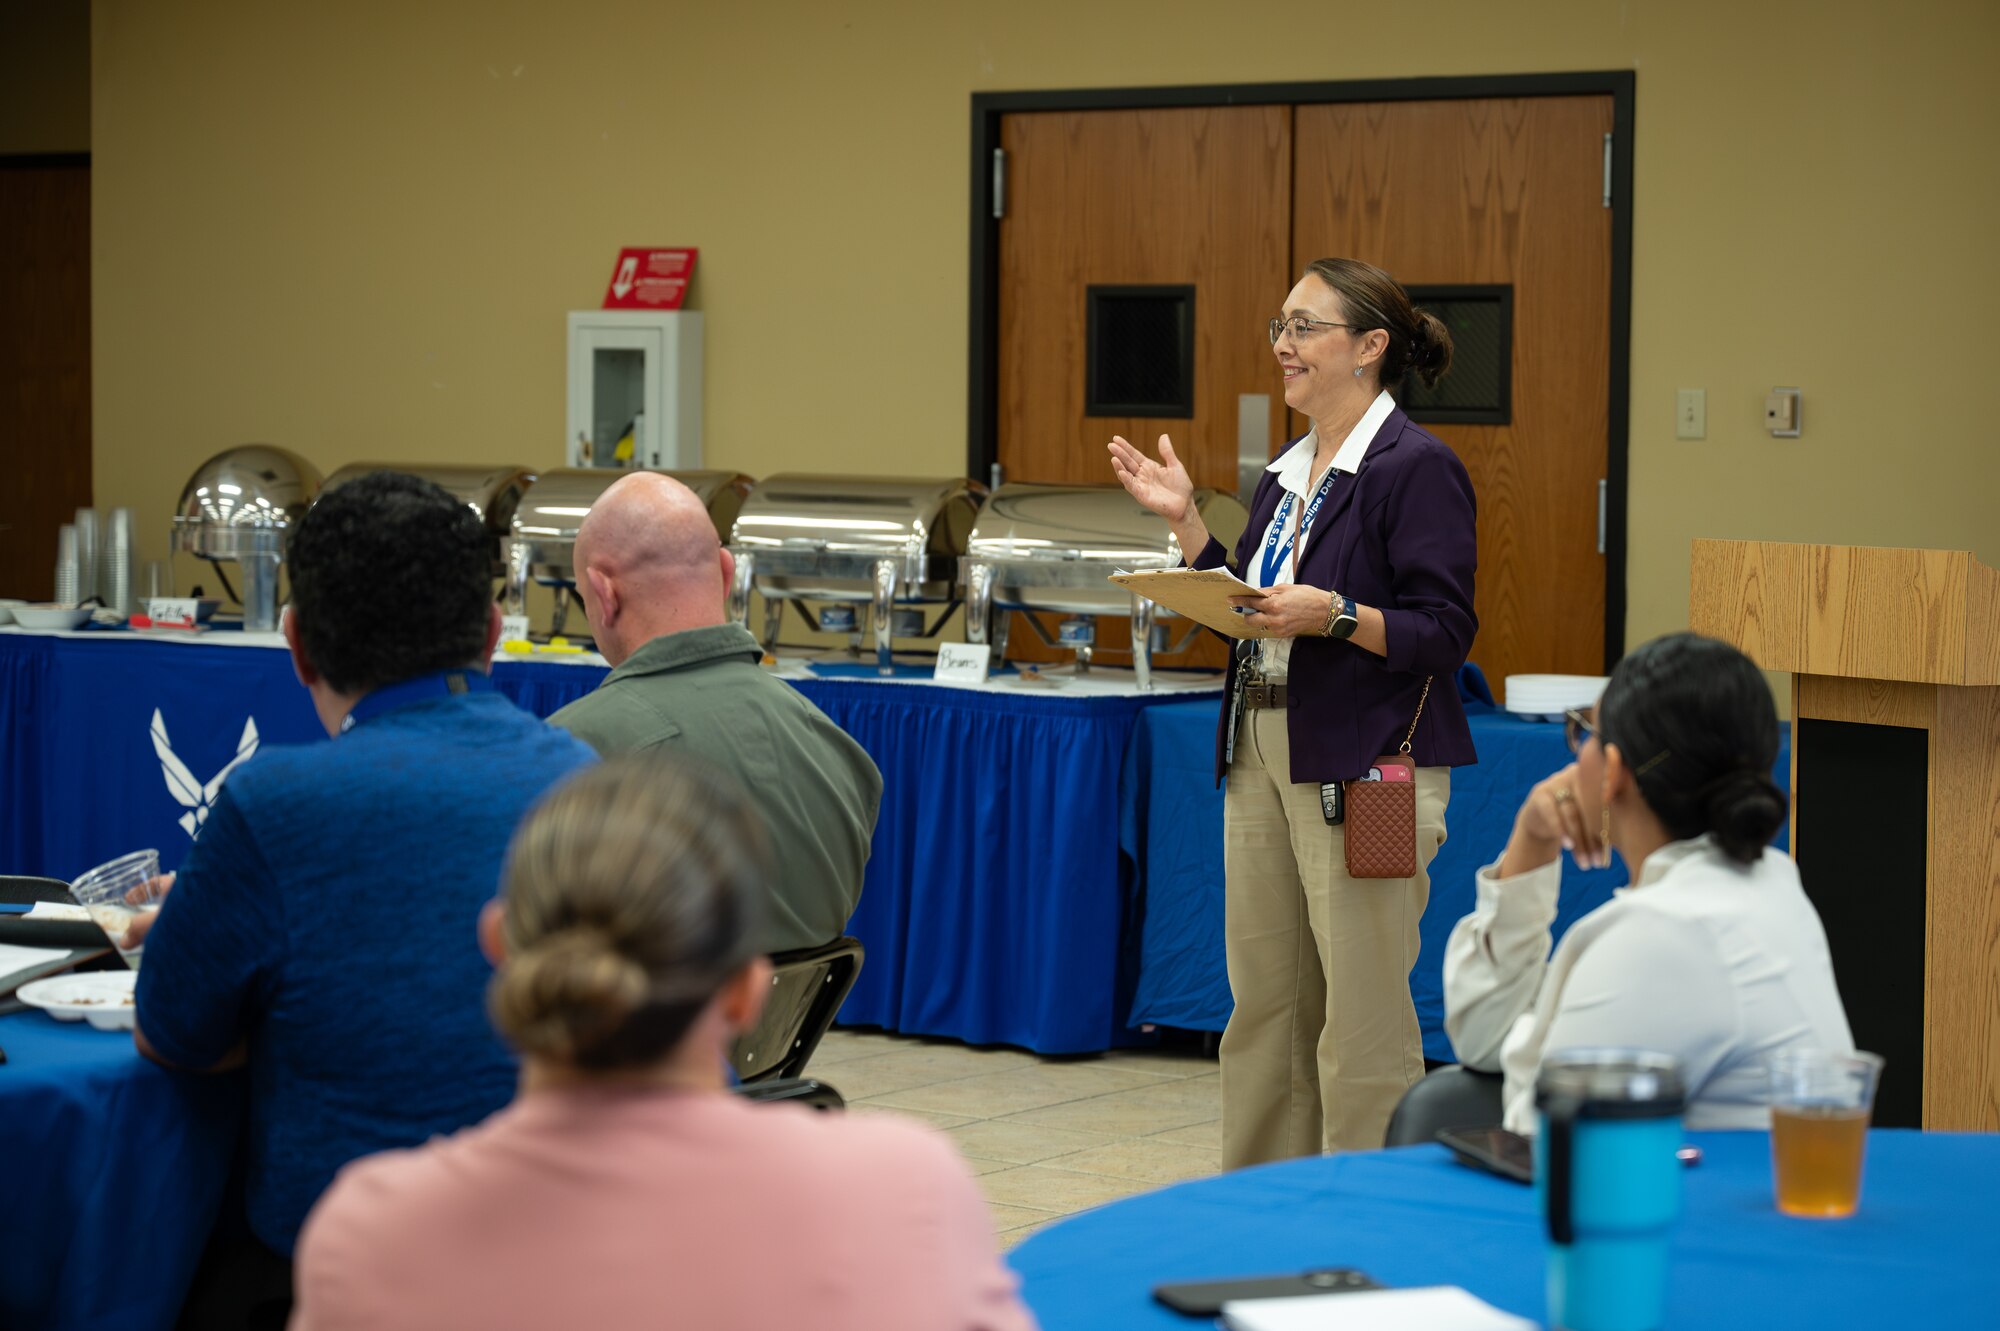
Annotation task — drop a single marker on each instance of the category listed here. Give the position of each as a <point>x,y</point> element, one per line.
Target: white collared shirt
<point>1294,471</point>
<point>1718,963</point>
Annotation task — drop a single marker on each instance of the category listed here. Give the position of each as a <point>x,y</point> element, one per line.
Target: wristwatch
<point>1341,620</point>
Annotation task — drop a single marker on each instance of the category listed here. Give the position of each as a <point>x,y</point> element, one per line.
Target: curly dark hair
<point>385,540</point>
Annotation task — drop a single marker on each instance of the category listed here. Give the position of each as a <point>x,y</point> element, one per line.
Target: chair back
<point>807,988</point>
<point>1451,1097</point>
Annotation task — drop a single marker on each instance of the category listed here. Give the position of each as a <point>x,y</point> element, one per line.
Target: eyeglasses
<point>1302,328</point>
<point>1577,727</point>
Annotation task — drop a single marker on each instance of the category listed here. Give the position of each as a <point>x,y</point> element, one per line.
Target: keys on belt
<point>1263,695</point>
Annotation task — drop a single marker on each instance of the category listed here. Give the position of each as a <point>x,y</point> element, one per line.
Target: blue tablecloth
<point>1170,827</point>
<point>994,904</point>
<point>114,1172</point>
<point>1919,1253</point>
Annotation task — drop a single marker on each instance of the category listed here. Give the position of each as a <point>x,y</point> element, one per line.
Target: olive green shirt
<point>703,693</point>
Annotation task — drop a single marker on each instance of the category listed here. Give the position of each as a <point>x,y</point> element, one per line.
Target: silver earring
<point>1357,372</point>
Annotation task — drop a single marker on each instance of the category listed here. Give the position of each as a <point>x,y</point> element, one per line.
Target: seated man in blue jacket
<point>322,928</point>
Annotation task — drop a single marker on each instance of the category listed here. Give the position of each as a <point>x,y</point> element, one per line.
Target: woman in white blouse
<point>1713,954</point>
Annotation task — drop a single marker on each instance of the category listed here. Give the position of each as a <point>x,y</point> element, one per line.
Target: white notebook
<point>17,961</point>
<point>1434,1308</point>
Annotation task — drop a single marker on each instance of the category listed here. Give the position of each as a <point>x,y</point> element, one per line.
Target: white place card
<point>513,628</point>
<point>963,662</point>
<point>172,611</point>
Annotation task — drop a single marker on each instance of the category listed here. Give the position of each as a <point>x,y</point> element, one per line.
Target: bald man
<point>655,584</point>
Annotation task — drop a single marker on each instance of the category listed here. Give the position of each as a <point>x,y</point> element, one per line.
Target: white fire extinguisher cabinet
<point>637,373</point>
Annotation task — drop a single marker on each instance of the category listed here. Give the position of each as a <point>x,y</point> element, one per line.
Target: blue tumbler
<point>1609,1183</point>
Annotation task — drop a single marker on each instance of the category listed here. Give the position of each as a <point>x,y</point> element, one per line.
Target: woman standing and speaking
<point>1362,536</point>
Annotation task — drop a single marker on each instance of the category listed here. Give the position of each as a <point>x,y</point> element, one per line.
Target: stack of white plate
<point>1552,695</point>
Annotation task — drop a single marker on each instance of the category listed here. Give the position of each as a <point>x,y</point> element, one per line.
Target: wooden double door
<point>1233,201</point>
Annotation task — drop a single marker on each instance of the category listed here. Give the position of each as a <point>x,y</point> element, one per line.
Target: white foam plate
<point>102,998</point>
<point>1551,695</point>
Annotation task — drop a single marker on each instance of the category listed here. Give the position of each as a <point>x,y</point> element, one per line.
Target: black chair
<point>807,988</point>
<point>807,1091</point>
<point>1451,1097</point>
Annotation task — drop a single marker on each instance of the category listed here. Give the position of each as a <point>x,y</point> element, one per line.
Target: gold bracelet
<point>1332,613</point>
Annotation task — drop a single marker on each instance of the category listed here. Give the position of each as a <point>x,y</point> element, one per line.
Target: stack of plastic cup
<point>114,579</point>
<point>69,573</point>
<point>89,545</point>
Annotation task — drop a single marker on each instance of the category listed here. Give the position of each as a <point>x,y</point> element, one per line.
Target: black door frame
<point>982,448</point>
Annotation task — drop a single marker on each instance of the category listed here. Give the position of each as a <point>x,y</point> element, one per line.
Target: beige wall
<point>354,229</point>
<point>44,76</point>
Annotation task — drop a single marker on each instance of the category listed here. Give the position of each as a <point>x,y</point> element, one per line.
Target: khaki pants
<point>1324,1038</point>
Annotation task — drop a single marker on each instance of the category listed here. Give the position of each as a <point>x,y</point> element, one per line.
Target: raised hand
<point>1163,487</point>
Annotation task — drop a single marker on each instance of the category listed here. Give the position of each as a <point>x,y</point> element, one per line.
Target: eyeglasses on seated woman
<point>1712,954</point>
<point>625,1186</point>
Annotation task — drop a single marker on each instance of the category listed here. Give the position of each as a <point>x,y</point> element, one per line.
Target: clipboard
<point>1201,594</point>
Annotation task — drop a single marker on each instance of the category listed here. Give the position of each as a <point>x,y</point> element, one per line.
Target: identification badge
<point>1332,802</point>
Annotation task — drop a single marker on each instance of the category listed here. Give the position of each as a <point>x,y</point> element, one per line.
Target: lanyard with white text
<point>1274,554</point>
<point>424,688</point>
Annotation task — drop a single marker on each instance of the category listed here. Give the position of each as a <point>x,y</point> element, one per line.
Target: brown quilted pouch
<point>1381,829</point>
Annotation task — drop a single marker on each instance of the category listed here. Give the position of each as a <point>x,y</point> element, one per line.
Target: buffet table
<point>1170,827</point>
<point>1917,1254</point>
<point>995,900</point>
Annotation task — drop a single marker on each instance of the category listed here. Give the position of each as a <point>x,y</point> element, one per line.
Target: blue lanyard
<point>1274,554</point>
<point>424,688</point>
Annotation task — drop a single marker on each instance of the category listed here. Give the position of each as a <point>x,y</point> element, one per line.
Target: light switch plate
<point>1691,413</point>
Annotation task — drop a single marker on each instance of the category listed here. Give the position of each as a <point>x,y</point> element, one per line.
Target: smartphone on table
<point>1205,1298</point>
<point>1495,1150</point>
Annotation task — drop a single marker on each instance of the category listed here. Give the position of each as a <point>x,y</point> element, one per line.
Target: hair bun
<point>1745,810</point>
<point>567,992</point>
<point>1430,348</point>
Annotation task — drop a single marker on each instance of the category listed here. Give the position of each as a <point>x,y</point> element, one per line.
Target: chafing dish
<point>238,506</point>
<point>493,493</point>
<point>542,548</point>
<point>1053,547</point>
<point>242,501</point>
<point>881,541</point>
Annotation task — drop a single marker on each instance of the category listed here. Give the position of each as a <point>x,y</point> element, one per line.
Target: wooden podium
<point>1895,661</point>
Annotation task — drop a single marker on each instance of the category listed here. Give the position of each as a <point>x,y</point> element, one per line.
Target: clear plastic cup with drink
<point>114,893</point>
<point>1820,1106</point>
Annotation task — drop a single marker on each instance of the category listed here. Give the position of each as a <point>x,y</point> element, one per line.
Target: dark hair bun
<point>1745,809</point>
<point>1430,348</point>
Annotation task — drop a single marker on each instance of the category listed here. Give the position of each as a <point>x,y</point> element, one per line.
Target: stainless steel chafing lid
<point>859,515</point>
<point>492,492</point>
<point>559,500</point>
<point>244,499</point>
<point>1098,524</point>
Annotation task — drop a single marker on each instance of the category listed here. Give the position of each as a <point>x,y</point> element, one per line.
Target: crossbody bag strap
<point>1421,699</point>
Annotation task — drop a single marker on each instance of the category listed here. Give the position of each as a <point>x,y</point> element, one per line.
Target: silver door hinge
<point>999,183</point>
<point>1603,513</point>
<point>1607,170</point>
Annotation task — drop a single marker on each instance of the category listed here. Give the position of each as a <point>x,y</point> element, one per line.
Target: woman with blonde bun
<point>625,1186</point>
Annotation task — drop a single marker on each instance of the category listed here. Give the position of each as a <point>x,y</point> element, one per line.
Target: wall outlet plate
<point>1781,413</point>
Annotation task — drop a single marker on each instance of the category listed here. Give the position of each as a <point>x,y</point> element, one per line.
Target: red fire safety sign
<point>649,279</point>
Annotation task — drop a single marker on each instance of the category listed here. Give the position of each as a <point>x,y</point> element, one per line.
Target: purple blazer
<point>1398,535</point>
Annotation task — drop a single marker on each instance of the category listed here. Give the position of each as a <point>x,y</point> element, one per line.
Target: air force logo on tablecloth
<point>193,795</point>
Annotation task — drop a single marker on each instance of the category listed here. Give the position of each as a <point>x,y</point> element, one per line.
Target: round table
<point>1920,1252</point>
<point>115,1170</point>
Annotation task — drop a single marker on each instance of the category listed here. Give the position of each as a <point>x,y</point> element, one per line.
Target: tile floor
<point>1047,1136</point>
